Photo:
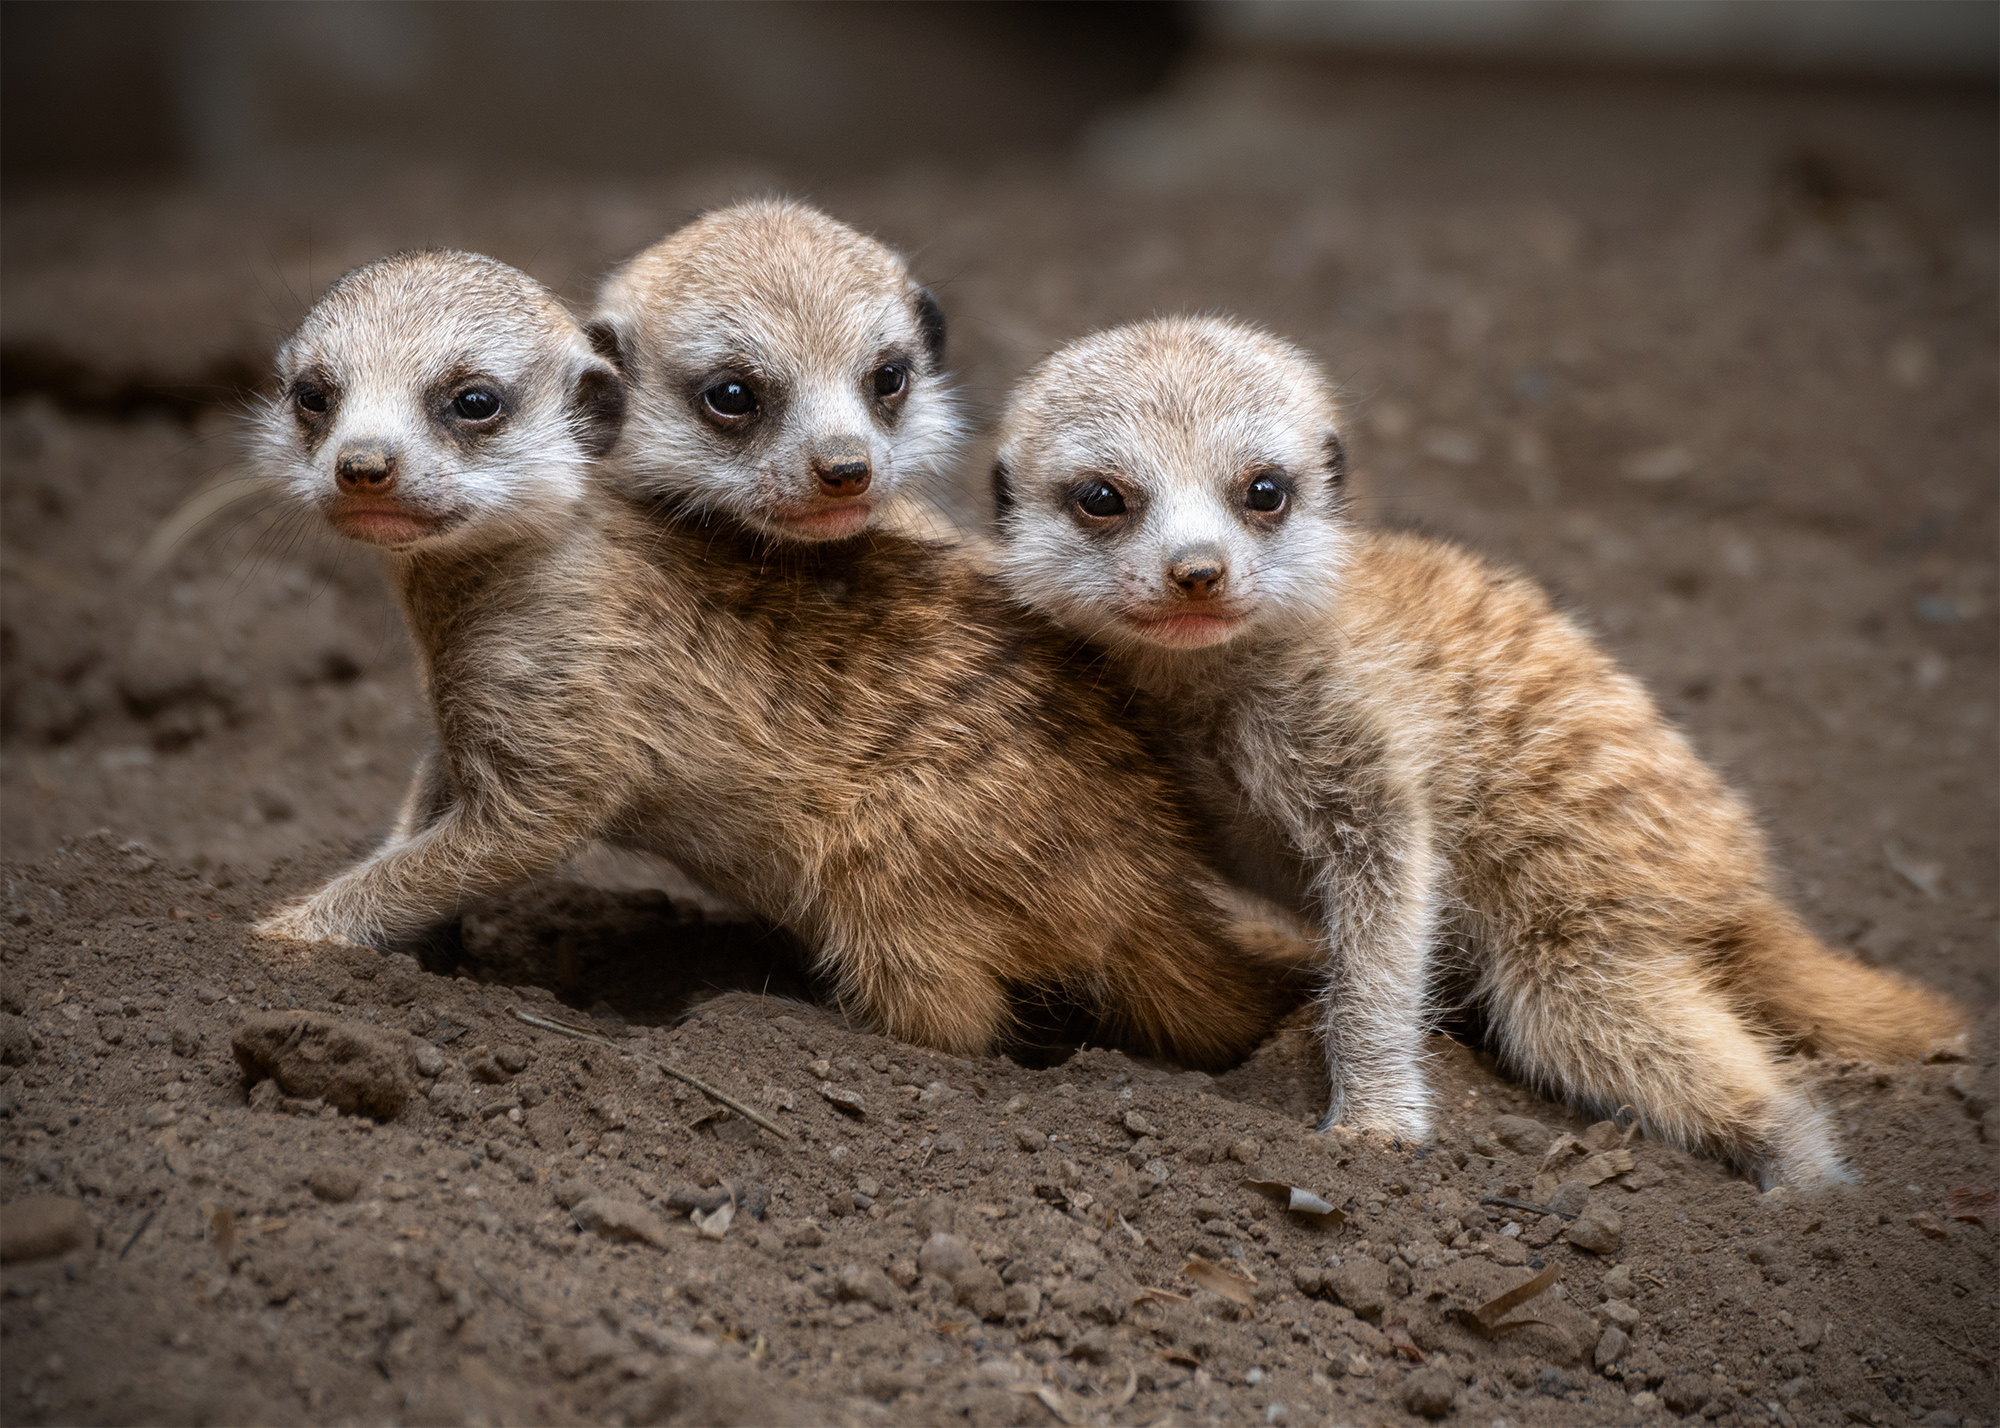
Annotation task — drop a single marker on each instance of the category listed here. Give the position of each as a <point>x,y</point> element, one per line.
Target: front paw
<point>298,923</point>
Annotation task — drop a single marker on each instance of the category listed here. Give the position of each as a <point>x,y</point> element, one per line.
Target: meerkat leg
<point>429,796</point>
<point>410,885</point>
<point>1606,1032</point>
<point>1373,1004</point>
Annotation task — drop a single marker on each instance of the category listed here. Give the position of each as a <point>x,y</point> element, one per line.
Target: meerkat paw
<point>1800,1150</point>
<point>1383,1125</point>
<point>299,924</point>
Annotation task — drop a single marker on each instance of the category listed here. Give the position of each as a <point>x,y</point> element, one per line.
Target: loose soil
<point>1717,363</point>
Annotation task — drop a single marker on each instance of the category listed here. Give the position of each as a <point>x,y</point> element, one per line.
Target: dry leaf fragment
<point>1977,1203</point>
<point>1599,1168</point>
<point>1486,1319</point>
<point>1560,1149</point>
<point>715,1224</point>
<point>1302,1203</point>
<point>1239,1288</point>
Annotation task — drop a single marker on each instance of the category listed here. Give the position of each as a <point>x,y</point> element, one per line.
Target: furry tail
<point>1821,1000</point>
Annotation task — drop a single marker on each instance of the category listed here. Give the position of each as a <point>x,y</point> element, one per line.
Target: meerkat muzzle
<point>840,464</point>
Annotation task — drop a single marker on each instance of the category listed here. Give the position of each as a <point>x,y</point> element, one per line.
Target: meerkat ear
<point>606,342</point>
<point>1336,458</point>
<point>930,322</point>
<point>1003,490</point>
<point>597,406</point>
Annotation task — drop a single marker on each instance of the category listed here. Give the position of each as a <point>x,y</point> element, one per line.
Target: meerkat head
<point>438,398</point>
<point>1172,485</point>
<point>783,368</point>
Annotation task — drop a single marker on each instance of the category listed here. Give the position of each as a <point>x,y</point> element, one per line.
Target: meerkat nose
<point>1198,572</point>
<point>367,466</point>
<point>842,467</point>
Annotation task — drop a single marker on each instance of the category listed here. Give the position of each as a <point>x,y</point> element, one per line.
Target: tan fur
<point>1463,788</point>
<point>863,740</point>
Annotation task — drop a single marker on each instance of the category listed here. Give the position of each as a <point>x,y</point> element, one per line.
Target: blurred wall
<point>1849,38</point>
<point>249,91</point>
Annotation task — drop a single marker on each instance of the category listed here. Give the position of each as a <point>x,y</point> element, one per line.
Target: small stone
<point>1521,1135</point>
<point>1928,1224</point>
<point>1600,1230</point>
<point>1570,1197</point>
<point>1246,1152</point>
<point>869,1285</point>
<point>513,1059</point>
<point>1645,1400</point>
<point>430,1060</point>
<point>843,1100</point>
<point>1361,1284</point>
<point>1617,1282</point>
<point>40,1226</point>
<point>1611,1347</point>
<point>1430,1391</point>
<point>625,1221</point>
<point>1030,1140</point>
<point>207,996</point>
<point>111,1029</point>
<point>1617,1311</point>
<point>158,1115</point>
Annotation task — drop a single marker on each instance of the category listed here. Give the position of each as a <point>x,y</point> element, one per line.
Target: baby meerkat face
<point>784,369</point>
<point>1172,485</point>
<point>435,398</point>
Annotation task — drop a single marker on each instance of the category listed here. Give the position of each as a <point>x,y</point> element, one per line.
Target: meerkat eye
<point>730,399</point>
<point>890,379</point>
<point>1100,498</point>
<point>1265,494</point>
<point>310,396</point>
<point>477,404</point>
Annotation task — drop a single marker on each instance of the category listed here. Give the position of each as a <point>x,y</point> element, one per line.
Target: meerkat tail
<point>1822,1000</point>
<point>1664,1042</point>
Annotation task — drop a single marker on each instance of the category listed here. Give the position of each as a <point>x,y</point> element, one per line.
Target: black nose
<point>367,467</point>
<point>843,478</point>
<point>1197,580</point>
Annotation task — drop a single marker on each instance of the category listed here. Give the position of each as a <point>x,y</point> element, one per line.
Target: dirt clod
<point>626,1221</point>
<point>1599,1229</point>
<point>1430,1392</point>
<point>350,1067</point>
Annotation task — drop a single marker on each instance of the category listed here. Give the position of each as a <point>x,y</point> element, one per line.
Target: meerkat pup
<point>1448,775</point>
<point>864,743</point>
<point>787,373</point>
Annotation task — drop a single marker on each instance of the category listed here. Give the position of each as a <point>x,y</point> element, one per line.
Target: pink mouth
<point>383,525</point>
<point>828,522</point>
<point>1186,630</point>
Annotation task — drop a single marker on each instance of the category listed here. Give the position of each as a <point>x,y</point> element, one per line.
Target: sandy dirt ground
<point>1717,363</point>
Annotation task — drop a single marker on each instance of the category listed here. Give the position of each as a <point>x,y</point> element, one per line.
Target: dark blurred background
<point>241,92</point>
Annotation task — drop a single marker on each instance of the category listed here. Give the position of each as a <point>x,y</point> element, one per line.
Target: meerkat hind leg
<point>1671,1047</point>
